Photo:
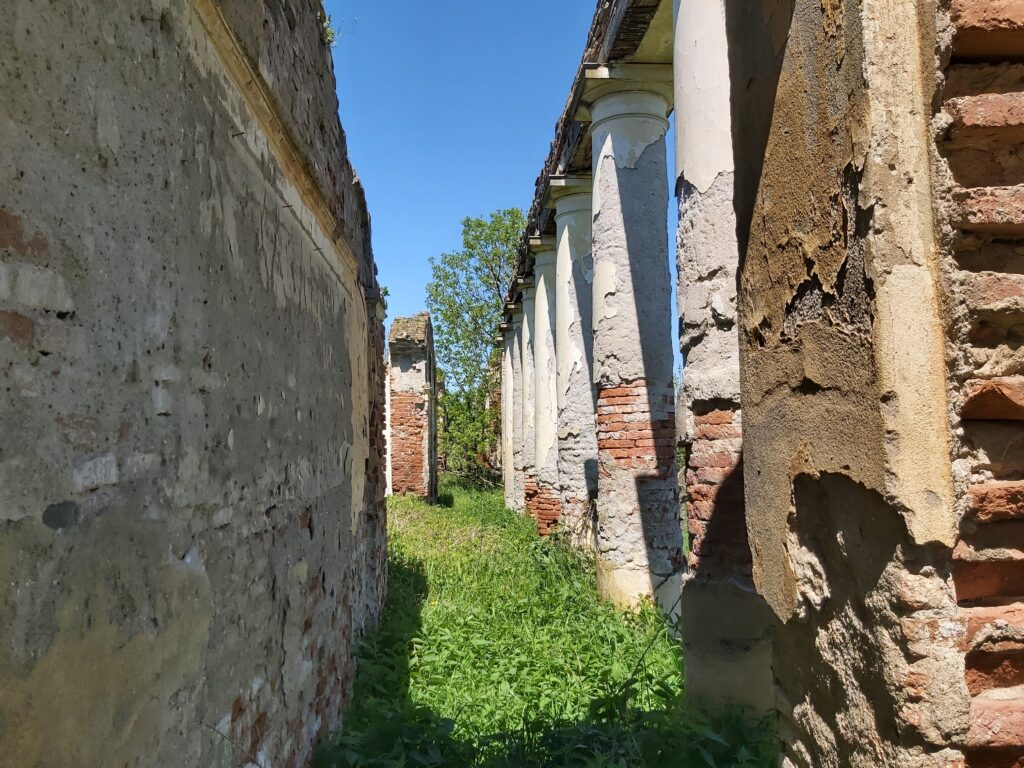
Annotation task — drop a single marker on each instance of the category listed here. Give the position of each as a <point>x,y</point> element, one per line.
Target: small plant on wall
<point>328,30</point>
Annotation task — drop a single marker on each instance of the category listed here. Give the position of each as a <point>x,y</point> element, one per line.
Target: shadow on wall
<point>844,538</point>
<point>756,53</point>
<point>657,490</point>
<point>721,545</point>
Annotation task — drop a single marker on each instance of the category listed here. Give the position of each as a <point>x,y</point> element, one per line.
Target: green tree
<point>465,297</point>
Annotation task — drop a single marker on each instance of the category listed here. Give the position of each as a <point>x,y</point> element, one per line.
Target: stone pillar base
<point>726,629</point>
<point>627,587</point>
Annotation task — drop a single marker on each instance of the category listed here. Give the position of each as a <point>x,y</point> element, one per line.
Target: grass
<point>495,652</point>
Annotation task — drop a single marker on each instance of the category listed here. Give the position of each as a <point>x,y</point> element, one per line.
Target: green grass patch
<point>495,651</point>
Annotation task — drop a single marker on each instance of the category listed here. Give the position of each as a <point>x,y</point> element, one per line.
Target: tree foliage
<point>465,297</point>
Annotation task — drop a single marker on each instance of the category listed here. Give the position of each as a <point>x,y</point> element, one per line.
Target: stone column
<point>413,407</point>
<point>545,504</point>
<point>518,478</point>
<point>726,625</point>
<point>577,398</point>
<point>529,399</point>
<point>507,450</point>
<point>640,550</point>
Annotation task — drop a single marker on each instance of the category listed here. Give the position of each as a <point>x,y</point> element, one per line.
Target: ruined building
<point>849,253</point>
<point>191,347</point>
<point>412,408</point>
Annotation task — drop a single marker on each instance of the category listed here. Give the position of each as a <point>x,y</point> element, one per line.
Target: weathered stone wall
<point>190,485</point>
<point>412,425</point>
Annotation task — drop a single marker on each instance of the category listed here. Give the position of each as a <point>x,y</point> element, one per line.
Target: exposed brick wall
<point>412,437</point>
<point>982,209</point>
<point>544,505</point>
<point>714,490</point>
<point>636,428</point>
<point>409,431</point>
<point>639,536</point>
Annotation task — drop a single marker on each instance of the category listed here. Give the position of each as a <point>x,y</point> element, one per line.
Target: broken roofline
<point>618,28</point>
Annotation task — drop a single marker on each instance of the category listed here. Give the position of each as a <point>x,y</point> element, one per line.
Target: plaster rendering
<point>848,503</point>
<point>518,415</point>
<point>529,393</point>
<point>577,396</point>
<point>726,625</point>
<point>508,469</point>
<point>192,502</point>
<point>545,502</point>
<point>639,537</point>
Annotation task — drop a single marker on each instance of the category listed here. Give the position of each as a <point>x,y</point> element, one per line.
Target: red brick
<point>1001,398</point>
<point>721,459</point>
<point>717,432</point>
<point>982,617</point>
<point>915,683</point>
<point>19,329</point>
<point>409,431</point>
<point>662,442</point>
<point>12,235</point>
<point>630,400</point>
<point>714,417</point>
<point>620,409</point>
<point>616,443</point>
<point>1000,669</point>
<point>996,210</point>
<point>714,474</point>
<point>997,115</point>
<point>621,391</point>
<point>996,721</point>
<point>988,28</point>
<point>986,290</point>
<point>992,758</point>
<point>988,579</point>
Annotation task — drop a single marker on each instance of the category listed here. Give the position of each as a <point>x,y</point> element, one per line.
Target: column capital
<point>576,203</point>
<point>645,105</point>
<point>540,243</point>
<point>543,250</point>
<point>559,187</point>
<point>600,81</point>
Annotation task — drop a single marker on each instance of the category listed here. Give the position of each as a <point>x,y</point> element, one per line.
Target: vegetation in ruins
<point>495,651</point>
<point>465,297</point>
<point>329,31</point>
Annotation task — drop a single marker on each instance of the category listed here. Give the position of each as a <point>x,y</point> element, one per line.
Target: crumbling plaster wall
<point>726,625</point>
<point>849,494</point>
<point>193,533</point>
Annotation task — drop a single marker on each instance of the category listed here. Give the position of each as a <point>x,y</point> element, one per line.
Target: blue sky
<point>449,107</point>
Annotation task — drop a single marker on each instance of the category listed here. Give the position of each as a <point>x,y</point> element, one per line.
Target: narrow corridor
<point>495,650</point>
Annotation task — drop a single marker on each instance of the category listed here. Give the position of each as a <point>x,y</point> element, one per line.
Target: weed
<point>327,29</point>
<point>495,652</point>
